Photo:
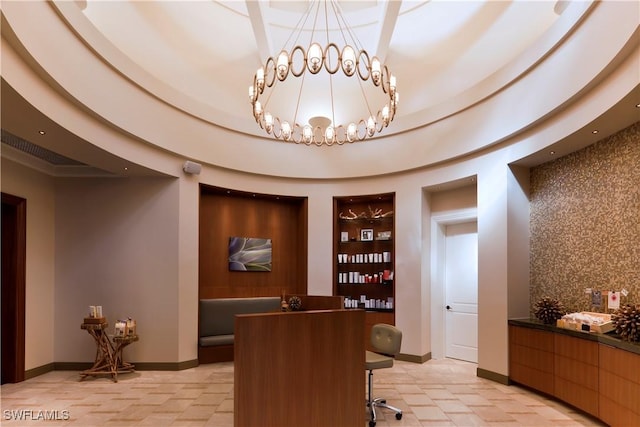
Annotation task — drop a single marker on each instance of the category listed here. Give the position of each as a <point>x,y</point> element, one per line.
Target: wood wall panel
<point>300,369</point>
<point>281,219</point>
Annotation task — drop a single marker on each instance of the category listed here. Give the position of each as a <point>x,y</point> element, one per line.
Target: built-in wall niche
<point>364,251</point>
<point>226,213</point>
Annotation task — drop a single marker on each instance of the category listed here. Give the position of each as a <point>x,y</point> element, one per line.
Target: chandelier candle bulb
<point>260,77</point>
<point>315,57</point>
<point>286,131</point>
<point>307,133</point>
<point>371,126</point>
<point>283,65</point>
<point>268,122</point>
<point>375,70</point>
<point>257,110</point>
<point>348,60</point>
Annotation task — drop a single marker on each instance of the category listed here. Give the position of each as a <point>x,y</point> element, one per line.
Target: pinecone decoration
<point>295,303</point>
<point>548,310</point>
<point>626,320</point>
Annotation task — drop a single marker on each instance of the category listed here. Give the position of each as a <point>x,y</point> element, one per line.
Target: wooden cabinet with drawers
<point>595,373</point>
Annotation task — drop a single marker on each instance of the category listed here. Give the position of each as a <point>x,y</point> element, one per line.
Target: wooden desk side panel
<point>301,368</point>
<point>619,387</point>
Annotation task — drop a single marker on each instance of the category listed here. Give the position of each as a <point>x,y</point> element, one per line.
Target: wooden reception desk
<point>300,368</point>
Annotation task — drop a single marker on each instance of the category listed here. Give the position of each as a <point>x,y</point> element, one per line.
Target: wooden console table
<point>108,359</point>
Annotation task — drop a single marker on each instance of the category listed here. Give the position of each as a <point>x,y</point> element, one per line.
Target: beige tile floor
<point>437,393</point>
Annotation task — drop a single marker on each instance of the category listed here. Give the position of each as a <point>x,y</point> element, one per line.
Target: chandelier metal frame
<point>351,59</point>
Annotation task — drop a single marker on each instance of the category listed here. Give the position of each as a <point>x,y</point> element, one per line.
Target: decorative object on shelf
<point>384,235</point>
<point>366,234</point>
<point>249,254</point>
<point>626,321</point>
<point>95,315</point>
<point>548,310</point>
<point>352,215</point>
<point>295,303</point>
<point>120,328</point>
<point>284,305</point>
<point>373,214</point>
<point>352,92</point>
<point>378,213</point>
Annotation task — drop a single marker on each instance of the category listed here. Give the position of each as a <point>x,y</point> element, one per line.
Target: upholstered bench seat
<point>215,340</point>
<point>216,324</point>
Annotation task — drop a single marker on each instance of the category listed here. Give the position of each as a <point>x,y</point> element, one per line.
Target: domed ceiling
<point>210,50</point>
<point>450,58</point>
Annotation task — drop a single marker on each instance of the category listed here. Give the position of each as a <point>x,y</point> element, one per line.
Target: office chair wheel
<point>398,416</point>
<point>372,424</point>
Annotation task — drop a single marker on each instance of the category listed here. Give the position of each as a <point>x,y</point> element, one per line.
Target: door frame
<point>439,223</point>
<point>14,297</point>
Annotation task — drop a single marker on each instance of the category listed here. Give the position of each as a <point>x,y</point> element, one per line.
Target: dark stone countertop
<point>609,339</point>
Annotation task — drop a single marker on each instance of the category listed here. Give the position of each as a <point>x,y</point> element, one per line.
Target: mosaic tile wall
<point>585,223</point>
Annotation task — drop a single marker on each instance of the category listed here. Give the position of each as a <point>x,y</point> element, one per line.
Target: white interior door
<point>461,291</point>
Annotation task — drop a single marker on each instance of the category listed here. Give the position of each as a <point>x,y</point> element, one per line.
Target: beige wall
<point>117,245</point>
<point>38,190</point>
<point>585,222</point>
<point>452,200</point>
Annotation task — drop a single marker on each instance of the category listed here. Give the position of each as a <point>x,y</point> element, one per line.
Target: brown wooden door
<point>14,225</point>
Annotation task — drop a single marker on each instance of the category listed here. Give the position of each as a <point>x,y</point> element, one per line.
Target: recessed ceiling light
<point>552,152</point>
<point>126,168</point>
<point>595,131</point>
<point>637,105</point>
<point>41,132</point>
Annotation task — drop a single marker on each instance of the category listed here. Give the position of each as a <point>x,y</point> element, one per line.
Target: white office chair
<point>386,341</point>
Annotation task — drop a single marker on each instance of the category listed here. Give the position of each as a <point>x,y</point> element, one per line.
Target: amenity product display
<point>587,322</point>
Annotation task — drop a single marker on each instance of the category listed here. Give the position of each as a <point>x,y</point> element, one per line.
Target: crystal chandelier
<point>345,60</point>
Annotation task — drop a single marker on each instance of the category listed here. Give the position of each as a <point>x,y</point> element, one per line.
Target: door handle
<point>448,307</point>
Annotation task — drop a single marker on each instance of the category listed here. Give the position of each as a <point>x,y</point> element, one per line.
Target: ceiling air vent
<point>37,151</point>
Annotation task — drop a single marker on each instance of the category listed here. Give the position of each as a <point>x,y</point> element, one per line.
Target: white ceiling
<point>209,50</point>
